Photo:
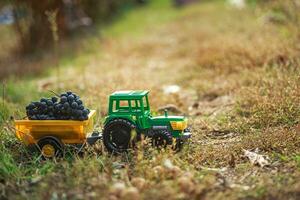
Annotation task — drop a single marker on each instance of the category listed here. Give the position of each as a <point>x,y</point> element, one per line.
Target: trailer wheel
<point>118,135</point>
<point>162,138</point>
<point>50,147</point>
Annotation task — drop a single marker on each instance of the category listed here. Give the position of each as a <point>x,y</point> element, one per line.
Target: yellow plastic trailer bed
<point>51,135</point>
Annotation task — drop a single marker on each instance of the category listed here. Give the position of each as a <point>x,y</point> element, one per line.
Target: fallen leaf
<point>168,164</point>
<point>171,89</point>
<point>256,159</point>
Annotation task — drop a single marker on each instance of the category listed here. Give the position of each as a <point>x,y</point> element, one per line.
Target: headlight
<point>181,125</point>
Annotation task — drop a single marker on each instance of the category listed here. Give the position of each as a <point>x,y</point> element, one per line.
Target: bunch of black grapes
<point>67,107</point>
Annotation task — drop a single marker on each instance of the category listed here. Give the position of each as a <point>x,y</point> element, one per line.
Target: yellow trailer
<point>50,136</point>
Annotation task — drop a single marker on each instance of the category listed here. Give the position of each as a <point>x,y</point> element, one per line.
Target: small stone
<point>117,189</point>
<point>158,170</point>
<point>138,182</point>
<point>186,185</point>
<point>130,193</point>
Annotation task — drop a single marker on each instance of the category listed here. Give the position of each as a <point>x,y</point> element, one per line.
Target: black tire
<point>117,136</point>
<point>52,145</point>
<point>162,138</point>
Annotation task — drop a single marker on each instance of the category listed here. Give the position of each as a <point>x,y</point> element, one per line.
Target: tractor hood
<point>175,122</point>
<point>168,118</point>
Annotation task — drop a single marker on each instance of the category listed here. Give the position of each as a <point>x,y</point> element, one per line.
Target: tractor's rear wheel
<point>50,147</point>
<point>118,135</point>
<point>162,138</point>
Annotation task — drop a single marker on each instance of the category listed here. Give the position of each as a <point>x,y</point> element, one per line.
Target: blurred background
<point>31,31</point>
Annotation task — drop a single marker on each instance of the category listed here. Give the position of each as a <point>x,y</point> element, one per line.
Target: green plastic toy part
<point>129,116</point>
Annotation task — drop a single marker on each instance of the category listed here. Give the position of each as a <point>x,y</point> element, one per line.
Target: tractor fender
<point>124,118</point>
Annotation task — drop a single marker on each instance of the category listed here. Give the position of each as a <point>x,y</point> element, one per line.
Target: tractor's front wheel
<point>118,135</point>
<point>162,138</point>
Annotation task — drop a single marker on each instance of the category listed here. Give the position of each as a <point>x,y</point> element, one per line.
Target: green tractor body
<point>132,109</point>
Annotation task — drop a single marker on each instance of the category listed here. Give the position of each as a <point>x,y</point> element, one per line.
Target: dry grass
<point>239,75</point>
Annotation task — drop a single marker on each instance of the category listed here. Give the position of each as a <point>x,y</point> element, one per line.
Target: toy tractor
<point>129,116</point>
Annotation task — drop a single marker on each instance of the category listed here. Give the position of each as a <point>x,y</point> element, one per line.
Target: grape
<point>71,98</point>
<point>37,104</point>
<point>35,111</point>
<point>54,99</point>
<point>59,106</point>
<point>79,102</point>
<point>67,107</point>
<point>69,111</point>
<point>30,112</point>
<point>56,109</point>
<point>49,102</point>
<point>79,113</point>
<point>43,100</point>
<point>43,105</point>
<point>30,106</point>
<point>80,107</point>
<point>74,105</point>
<point>85,112</point>
<point>63,99</point>
<point>56,106</point>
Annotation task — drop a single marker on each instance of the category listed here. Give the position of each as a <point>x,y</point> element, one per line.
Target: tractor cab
<point>130,105</point>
